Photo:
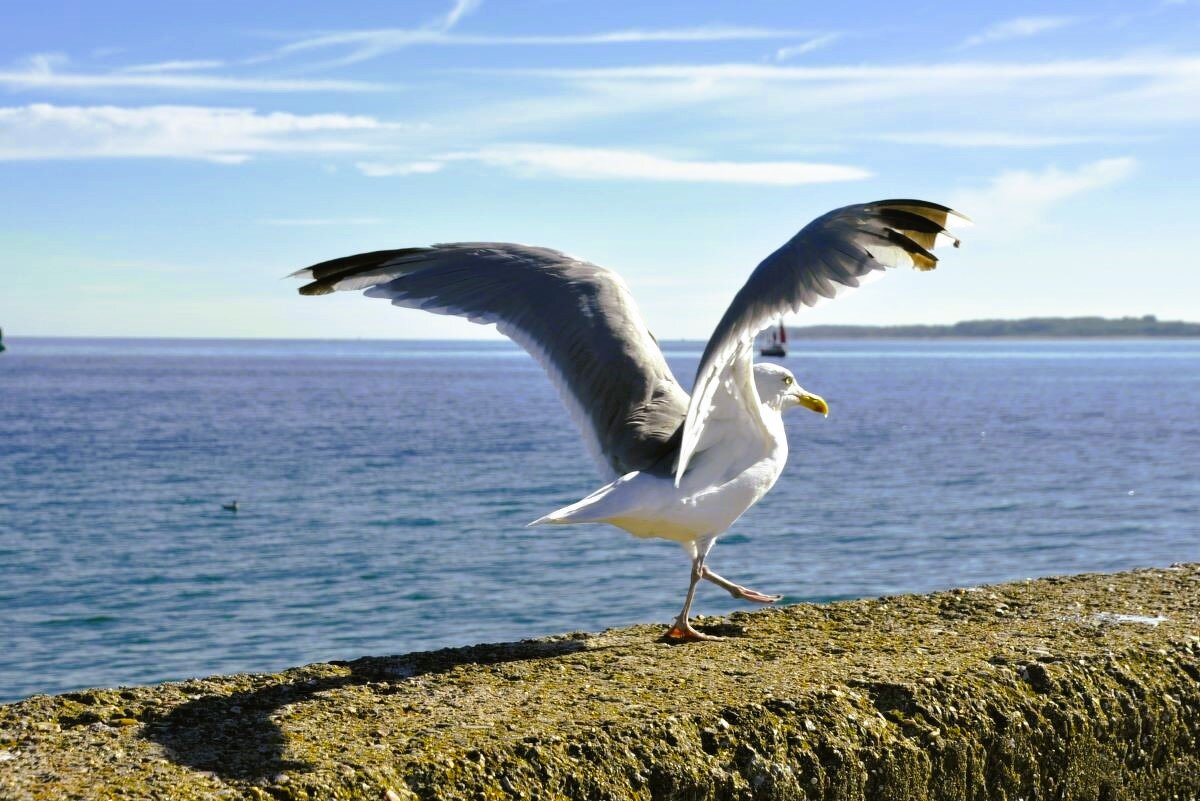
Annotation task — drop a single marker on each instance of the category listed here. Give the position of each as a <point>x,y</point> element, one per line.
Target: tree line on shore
<point>1145,326</point>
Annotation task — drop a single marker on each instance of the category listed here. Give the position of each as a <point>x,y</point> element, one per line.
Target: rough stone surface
<point>1064,688</point>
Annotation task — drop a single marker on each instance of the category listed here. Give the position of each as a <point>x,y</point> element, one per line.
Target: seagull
<point>675,467</point>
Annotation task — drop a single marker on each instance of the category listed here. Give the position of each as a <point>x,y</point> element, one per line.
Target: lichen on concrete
<point>1085,687</point>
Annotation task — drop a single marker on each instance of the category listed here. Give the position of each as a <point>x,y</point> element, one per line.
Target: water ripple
<point>382,499</point>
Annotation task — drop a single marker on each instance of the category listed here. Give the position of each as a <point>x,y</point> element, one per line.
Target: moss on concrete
<point>1065,688</point>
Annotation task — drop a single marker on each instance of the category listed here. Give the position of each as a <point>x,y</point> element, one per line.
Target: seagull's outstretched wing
<point>578,320</point>
<point>833,253</point>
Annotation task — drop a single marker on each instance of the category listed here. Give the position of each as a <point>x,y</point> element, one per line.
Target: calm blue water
<point>384,488</point>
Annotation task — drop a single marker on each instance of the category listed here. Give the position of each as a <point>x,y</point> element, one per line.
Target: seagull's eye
<point>787,381</point>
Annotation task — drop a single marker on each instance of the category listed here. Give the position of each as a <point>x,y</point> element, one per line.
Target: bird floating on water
<point>230,507</point>
<point>677,467</point>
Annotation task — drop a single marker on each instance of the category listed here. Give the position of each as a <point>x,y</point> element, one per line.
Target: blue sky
<point>162,165</point>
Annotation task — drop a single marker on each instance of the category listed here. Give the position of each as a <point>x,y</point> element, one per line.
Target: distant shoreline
<point>1146,327</point>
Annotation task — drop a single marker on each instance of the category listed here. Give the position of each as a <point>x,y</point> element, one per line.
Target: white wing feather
<point>830,255</point>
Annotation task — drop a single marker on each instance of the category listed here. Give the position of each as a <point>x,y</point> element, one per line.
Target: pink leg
<point>682,629</point>
<point>737,590</point>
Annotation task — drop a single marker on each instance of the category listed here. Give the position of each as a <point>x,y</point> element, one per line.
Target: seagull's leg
<point>682,629</point>
<point>737,590</point>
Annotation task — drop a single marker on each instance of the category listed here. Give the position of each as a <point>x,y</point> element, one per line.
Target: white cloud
<point>370,44</point>
<point>1172,99</point>
<point>1134,93</point>
<point>176,66</point>
<point>460,9</point>
<point>321,221</point>
<point>927,77</point>
<point>591,163</point>
<point>367,44</point>
<point>815,43</point>
<point>986,139</point>
<point>221,135</point>
<point>40,72</point>
<point>709,33</point>
<point>1019,200</point>
<point>1018,28</point>
<point>376,169</point>
<point>42,63</point>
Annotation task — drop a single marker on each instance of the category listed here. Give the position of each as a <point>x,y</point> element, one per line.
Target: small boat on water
<point>774,341</point>
<point>1,340</point>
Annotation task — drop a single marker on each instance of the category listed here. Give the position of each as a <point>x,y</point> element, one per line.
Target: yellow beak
<point>814,402</point>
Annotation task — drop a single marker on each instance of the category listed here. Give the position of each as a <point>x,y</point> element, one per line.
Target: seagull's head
<point>778,389</point>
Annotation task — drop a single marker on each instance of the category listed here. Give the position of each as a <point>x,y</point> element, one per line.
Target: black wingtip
<point>327,274</point>
<point>919,206</point>
<point>922,258</point>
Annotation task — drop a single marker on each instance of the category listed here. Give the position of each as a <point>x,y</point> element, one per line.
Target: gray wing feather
<point>577,319</point>
<point>833,253</point>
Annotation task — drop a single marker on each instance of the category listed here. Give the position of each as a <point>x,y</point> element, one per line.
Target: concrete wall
<point>1068,688</point>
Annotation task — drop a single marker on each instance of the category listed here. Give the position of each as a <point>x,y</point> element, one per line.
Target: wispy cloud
<point>303,222</point>
<point>996,139</point>
<point>42,71</point>
<point>592,163</point>
<point>1017,28</point>
<point>176,66</point>
<point>815,43</point>
<point>221,135</point>
<point>379,169</point>
<point>1131,93</point>
<point>1018,200</point>
<point>48,78</point>
<point>460,9</point>
<point>927,74</point>
<point>367,44</point>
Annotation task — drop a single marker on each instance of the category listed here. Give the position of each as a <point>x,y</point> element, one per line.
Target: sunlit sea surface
<point>383,490</point>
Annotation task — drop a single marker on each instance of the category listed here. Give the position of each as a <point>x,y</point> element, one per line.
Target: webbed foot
<point>683,632</point>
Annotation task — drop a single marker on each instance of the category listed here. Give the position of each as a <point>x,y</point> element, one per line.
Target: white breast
<point>726,478</point>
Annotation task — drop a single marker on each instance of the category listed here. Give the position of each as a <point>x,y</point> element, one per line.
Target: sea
<point>383,488</point>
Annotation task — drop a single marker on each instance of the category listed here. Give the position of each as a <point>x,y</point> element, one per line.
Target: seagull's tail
<point>559,517</point>
<point>598,507</point>
<point>584,511</point>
